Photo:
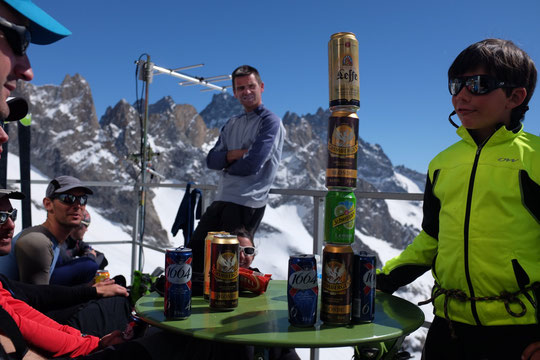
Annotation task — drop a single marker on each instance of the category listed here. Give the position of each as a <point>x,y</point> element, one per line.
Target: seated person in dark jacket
<point>77,261</point>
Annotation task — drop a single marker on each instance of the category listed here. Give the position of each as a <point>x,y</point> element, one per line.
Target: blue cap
<point>43,28</point>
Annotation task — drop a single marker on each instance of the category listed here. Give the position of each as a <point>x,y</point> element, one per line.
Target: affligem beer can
<point>364,276</point>
<point>342,169</point>
<point>302,290</point>
<point>207,259</point>
<point>343,78</point>
<point>178,283</point>
<point>336,292</point>
<point>339,217</point>
<point>224,272</point>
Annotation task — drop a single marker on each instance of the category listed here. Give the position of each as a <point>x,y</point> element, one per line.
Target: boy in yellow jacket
<point>481,229</point>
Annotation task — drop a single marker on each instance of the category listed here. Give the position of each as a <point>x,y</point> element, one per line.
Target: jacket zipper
<point>466,231</point>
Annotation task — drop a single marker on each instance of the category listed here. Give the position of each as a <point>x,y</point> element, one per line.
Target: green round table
<point>263,321</point>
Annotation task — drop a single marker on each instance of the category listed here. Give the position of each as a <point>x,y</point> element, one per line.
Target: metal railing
<point>318,197</point>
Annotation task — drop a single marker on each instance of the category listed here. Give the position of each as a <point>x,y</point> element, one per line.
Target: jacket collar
<point>500,136</point>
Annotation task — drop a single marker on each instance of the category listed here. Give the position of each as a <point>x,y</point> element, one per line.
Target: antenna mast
<point>146,71</point>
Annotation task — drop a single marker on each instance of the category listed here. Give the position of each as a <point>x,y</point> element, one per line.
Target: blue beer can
<point>302,290</point>
<point>363,309</point>
<point>177,294</point>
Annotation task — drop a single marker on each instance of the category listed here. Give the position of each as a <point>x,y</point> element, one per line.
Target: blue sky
<point>405,49</point>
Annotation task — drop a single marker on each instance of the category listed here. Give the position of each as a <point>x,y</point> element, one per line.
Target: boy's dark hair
<point>245,70</point>
<point>504,60</point>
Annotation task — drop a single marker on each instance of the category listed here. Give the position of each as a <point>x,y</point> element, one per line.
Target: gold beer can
<point>207,259</point>
<point>336,289</point>
<point>224,271</point>
<point>343,77</point>
<point>341,169</point>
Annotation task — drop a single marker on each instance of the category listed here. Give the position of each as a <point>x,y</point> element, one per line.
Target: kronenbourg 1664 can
<point>339,217</point>
<point>178,283</point>
<point>336,294</point>
<point>364,276</point>
<point>224,277</point>
<point>302,290</point>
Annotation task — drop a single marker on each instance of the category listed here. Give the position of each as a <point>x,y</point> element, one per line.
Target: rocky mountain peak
<point>220,109</point>
<point>64,122</point>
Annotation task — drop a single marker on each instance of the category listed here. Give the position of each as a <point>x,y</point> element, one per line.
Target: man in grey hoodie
<point>247,153</point>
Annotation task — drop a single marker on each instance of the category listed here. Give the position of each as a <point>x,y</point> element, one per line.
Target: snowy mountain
<point>67,138</point>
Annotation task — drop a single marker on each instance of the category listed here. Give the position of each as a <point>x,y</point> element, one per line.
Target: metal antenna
<point>146,71</point>
<point>193,80</point>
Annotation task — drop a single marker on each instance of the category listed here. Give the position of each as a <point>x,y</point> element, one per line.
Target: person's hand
<point>532,352</point>
<point>91,251</point>
<point>107,288</point>
<point>111,339</point>
<point>233,155</point>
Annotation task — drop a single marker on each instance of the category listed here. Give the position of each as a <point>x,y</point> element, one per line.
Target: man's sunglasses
<point>17,36</point>
<point>4,215</point>
<point>476,84</point>
<point>248,250</point>
<point>70,199</point>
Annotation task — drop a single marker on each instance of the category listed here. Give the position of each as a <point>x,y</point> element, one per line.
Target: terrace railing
<point>318,197</point>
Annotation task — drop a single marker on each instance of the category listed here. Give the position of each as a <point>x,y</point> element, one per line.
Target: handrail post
<point>134,238</point>
<point>318,236</point>
<point>318,224</point>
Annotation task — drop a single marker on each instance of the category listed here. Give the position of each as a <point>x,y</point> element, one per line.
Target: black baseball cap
<point>64,183</point>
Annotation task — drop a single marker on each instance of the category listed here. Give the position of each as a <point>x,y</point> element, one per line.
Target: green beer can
<point>339,216</point>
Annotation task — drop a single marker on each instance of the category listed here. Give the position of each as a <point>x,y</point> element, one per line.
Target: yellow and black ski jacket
<point>480,233</point>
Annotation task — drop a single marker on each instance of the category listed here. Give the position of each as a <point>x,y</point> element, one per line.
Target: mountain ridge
<point>79,144</point>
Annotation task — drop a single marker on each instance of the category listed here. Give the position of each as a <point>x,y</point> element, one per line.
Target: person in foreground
<point>247,153</point>
<point>481,223</point>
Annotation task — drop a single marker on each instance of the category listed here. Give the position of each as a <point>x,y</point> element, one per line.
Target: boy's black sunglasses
<point>4,215</point>
<point>70,199</point>
<point>17,36</point>
<point>476,84</point>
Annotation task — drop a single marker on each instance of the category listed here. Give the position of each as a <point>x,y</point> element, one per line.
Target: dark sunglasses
<point>17,36</point>
<point>476,84</point>
<point>70,199</point>
<point>4,215</point>
<point>248,250</point>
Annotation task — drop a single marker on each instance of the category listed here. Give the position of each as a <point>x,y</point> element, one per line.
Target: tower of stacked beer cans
<point>348,279</point>
<point>348,291</point>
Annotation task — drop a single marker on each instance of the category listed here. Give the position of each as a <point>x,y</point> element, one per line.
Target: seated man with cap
<point>35,250</point>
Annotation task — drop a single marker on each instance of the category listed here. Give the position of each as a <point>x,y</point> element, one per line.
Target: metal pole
<point>318,236</point>
<point>144,140</point>
<point>134,239</point>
